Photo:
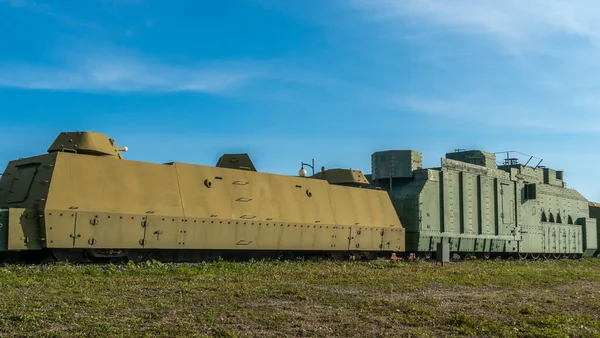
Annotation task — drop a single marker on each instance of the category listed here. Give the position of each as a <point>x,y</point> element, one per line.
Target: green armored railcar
<point>484,209</point>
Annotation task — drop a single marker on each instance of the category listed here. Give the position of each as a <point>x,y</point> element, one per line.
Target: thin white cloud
<point>556,42</point>
<point>46,10</point>
<point>495,113</point>
<point>123,72</point>
<point>539,58</point>
<point>121,2</point>
<point>516,23</point>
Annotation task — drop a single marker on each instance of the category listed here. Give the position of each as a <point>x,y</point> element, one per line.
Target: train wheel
<point>556,255</point>
<point>340,255</point>
<point>425,255</point>
<point>107,256</point>
<point>523,256</point>
<point>470,256</point>
<point>137,256</point>
<point>366,256</point>
<point>66,255</point>
<point>535,256</point>
<point>547,256</point>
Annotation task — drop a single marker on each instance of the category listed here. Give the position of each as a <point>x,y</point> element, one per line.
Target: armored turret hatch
<point>86,142</point>
<point>236,161</point>
<point>478,157</point>
<point>346,177</point>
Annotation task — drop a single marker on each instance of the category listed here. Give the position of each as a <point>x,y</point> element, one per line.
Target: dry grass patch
<point>308,298</point>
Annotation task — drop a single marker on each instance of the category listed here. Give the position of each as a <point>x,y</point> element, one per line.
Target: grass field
<point>307,299</point>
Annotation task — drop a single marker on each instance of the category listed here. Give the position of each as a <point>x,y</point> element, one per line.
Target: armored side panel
<point>471,206</point>
<point>590,237</point>
<point>74,200</point>
<point>552,219</point>
<point>395,164</point>
<point>184,206</point>
<point>371,214</point>
<point>594,210</point>
<point>24,189</point>
<point>3,229</point>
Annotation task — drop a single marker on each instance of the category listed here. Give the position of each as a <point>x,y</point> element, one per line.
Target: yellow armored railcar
<point>82,199</point>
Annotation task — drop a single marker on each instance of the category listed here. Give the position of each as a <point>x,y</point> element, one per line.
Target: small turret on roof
<point>86,142</point>
<point>478,157</point>
<point>236,161</point>
<point>346,177</point>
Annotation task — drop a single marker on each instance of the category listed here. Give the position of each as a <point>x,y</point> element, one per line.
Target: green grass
<point>309,298</point>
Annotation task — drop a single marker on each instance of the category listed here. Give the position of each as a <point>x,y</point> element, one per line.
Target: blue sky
<point>287,81</point>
